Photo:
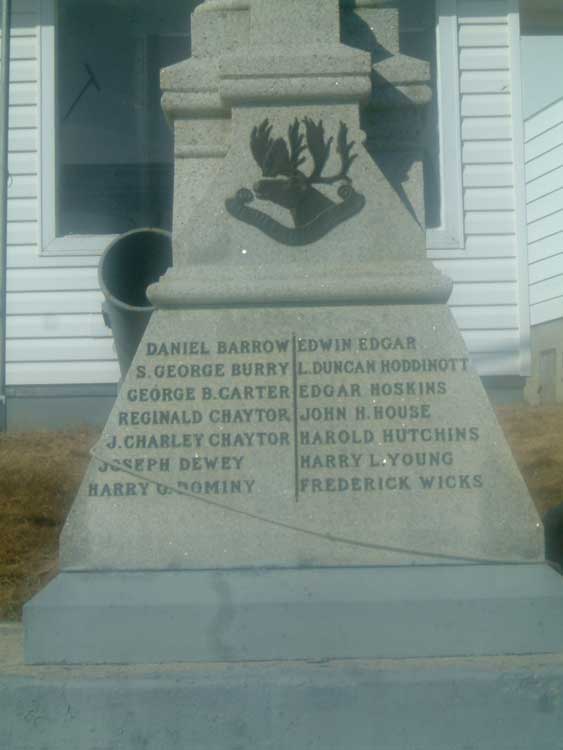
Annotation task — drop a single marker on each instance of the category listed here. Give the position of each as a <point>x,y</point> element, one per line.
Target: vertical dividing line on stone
<point>295,414</point>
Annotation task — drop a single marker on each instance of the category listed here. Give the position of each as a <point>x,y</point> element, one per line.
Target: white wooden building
<point>60,359</point>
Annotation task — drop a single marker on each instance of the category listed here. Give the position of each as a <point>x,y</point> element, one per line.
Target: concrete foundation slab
<point>494,703</point>
<point>236,615</point>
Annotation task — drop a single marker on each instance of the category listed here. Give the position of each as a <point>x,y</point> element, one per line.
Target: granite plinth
<point>301,437</point>
<point>338,613</point>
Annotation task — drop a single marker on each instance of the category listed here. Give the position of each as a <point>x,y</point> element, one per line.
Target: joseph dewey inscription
<point>353,415</point>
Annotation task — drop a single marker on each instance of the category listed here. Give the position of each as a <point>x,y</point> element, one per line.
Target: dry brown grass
<point>40,473</point>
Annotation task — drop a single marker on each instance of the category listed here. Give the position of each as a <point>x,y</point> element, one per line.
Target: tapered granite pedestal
<point>301,463</point>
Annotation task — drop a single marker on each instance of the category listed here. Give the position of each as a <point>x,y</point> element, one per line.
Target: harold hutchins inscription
<point>350,415</point>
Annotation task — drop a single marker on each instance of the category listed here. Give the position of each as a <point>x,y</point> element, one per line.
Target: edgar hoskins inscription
<point>339,437</point>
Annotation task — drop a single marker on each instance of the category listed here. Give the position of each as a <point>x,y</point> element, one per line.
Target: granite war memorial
<point>302,462</point>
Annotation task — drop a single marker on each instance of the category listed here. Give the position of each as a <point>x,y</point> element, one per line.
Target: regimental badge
<point>314,214</point>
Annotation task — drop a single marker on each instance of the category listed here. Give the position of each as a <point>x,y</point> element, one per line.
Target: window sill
<point>78,244</point>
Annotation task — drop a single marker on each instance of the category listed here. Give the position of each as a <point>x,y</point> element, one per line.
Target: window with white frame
<point>107,151</point>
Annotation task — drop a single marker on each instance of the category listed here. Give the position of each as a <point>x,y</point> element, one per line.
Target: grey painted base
<point>510,703</point>
<point>160,617</point>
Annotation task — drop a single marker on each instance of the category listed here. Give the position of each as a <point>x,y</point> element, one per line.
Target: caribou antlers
<point>275,158</point>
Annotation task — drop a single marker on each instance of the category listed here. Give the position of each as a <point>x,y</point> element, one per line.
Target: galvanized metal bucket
<point>128,266</point>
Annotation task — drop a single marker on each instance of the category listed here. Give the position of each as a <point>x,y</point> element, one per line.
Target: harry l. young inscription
<point>352,414</point>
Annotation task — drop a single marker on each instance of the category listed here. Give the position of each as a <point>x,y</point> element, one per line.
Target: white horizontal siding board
<point>545,311</point>
<point>23,140</point>
<point>499,246</point>
<point>545,269</point>
<point>544,164</point>
<point>482,11</point>
<point>487,152</point>
<point>490,222</point>
<point>484,58</point>
<point>56,326</point>
<point>23,186</point>
<point>545,247</point>
<point>486,128</point>
<point>469,295</point>
<point>549,204</point>
<point>61,373</point>
<point>22,163</point>
<point>483,35</point>
<point>23,48</point>
<point>23,71</point>
<point>488,175</point>
<point>23,94</point>
<point>545,142</point>
<point>22,256</point>
<point>547,227</point>
<point>22,233</point>
<point>497,363</point>
<point>485,82</point>
<point>543,120</point>
<point>492,341</point>
<point>24,117</point>
<point>486,105</point>
<point>59,350</point>
<point>54,303</point>
<point>490,199</point>
<point>545,290</point>
<point>544,185</point>
<point>22,209</point>
<point>52,279</point>
<point>467,271</point>
<point>476,318</point>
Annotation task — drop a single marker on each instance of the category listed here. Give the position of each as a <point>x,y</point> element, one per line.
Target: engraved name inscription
<point>353,415</point>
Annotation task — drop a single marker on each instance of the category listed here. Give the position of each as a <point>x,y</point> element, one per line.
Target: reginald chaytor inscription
<point>364,411</point>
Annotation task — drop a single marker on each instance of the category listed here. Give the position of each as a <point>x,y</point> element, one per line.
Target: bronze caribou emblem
<point>285,184</point>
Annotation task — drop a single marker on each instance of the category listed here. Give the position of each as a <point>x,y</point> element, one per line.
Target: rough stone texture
<point>328,416</point>
<point>508,703</point>
<point>133,618</point>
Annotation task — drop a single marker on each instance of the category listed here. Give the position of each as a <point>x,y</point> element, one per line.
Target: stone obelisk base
<point>333,613</point>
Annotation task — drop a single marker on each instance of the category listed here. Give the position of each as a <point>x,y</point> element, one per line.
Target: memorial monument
<point>301,459</point>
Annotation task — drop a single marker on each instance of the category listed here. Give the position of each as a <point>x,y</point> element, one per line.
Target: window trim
<point>444,241</point>
<point>449,238</point>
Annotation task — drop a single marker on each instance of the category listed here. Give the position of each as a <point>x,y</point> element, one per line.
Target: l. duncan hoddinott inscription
<point>325,412</point>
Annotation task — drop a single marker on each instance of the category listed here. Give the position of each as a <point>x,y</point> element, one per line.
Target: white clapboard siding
<point>486,301</point>
<point>544,248</point>
<point>56,326</point>
<point>544,189</point>
<point>56,333</point>
<point>490,199</point>
<point>545,185</point>
<point>488,175</point>
<point>485,105</point>
<point>546,269</point>
<point>62,373</point>
<point>551,309</point>
<point>54,303</point>
<point>68,349</point>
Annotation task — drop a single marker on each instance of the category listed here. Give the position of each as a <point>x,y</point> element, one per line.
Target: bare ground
<point>40,473</point>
